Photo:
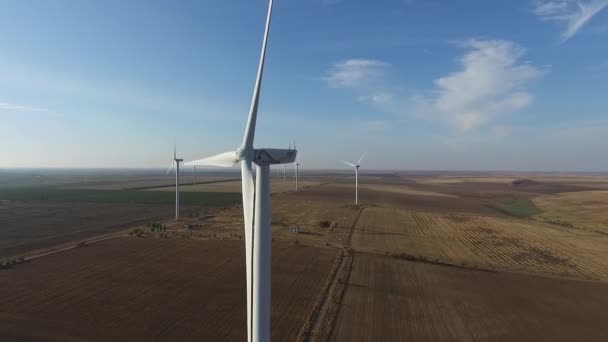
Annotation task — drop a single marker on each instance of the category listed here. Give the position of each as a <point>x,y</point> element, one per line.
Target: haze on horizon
<point>419,85</point>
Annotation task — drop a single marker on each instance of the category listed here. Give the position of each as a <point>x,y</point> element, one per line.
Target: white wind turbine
<point>256,215</point>
<point>175,163</point>
<point>356,166</point>
<point>296,164</point>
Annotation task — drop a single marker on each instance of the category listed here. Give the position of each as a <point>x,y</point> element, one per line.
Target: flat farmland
<point>486,242</point>
<point>320,222</point>
<point>397,300</point>
<point>129,288</point>
<point>148,182</point>
<point>235,186</point>
<point>330,193</point>
<point>583,209</point>
<point>106,179</point>
<point>27,226</point>
<point>289,210</point>
<point>394,188</point>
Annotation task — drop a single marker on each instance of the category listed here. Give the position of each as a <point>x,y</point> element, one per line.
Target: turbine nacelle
<point>271,156</point>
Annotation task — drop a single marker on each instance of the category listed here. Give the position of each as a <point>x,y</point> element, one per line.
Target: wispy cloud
<point>492,81</point>
<point>380,98</point>
<point>116,97</point>
<point>353,73</point>
<point>367,78</point>
<point>573,14</point>
<point>5,106</point>
<point>501,131</point>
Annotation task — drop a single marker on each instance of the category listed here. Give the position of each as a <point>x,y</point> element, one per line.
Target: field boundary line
<point>315,318</point>
<point>151,187</point>
<point>353,226</point>
<point>328,324</point>
<point>68,246</point>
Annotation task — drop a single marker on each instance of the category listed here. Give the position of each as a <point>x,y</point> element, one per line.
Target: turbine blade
<point>360,159</point>
<point>226,159</point>
<point>253,110</point>
<point>248,186</point>
<point>347,163</point>
<point>170,167</point>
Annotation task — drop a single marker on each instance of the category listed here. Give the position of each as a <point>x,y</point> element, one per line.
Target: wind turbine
<point>356,166</point>
<point>256,215</point>
<point>296,163</point>
<point>176,162</point>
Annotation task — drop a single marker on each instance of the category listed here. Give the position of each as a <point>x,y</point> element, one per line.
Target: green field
<point>56,194</point>
<point>518,207</point>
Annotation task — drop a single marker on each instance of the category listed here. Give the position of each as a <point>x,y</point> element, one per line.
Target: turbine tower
<point>356,166</point>
<point>256,215</point>
<point>175,163</point>
<point>297,166</point>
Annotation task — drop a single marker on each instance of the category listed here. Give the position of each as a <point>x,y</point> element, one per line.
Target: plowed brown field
<point>395,300</point>
<point>27,226</point>
<point>127,289</point>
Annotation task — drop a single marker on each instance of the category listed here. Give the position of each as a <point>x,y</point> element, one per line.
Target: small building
<point>294,229</point>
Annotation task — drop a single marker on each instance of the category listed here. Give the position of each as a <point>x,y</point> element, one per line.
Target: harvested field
<point>127,289</point>
<point>320,222</point>
<point>344,195</point>
<point>485,242</point>
<point>27,226</point>
<point>288,210</point>
<point>396,300</point>
<point>457,179</point>
<point>584,209</point>
<point>396,188</point>
<point>574,178</point>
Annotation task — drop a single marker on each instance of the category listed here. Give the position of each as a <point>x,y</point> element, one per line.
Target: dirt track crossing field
<point>130,288</point>
<point>397,300</point>
<point>28,226</point>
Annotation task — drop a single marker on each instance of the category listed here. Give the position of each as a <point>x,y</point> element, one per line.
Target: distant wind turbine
<point>175,163</point>
<point>356,166</point>
<point>296,164</point>
<point>256,215</point>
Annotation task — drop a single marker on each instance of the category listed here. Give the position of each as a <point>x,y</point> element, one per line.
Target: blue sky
<point>454,85</point>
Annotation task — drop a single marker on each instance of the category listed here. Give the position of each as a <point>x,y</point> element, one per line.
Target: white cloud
<point>5,106</point>
<point>380,98</point>
<point>492,81</point>
<point>501,132</point>
<point>573,14</point>
<point>355,73</point>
